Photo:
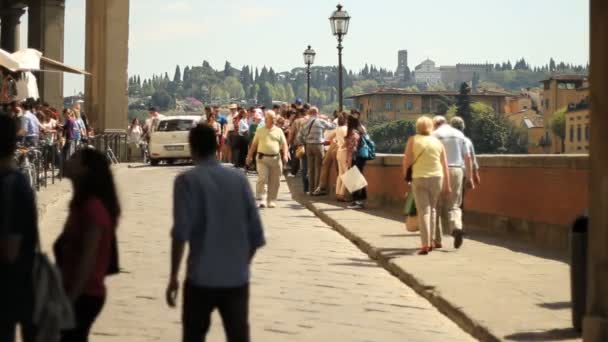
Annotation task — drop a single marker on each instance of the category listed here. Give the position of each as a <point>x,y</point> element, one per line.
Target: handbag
<point>410,170</point>
<point>354,180</point>
<point>301,151</point>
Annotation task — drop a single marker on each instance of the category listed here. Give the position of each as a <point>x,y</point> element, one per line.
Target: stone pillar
<point>10,19</point>
<point>46,20</point>
<point>595,326</point>
<point>107,37</point>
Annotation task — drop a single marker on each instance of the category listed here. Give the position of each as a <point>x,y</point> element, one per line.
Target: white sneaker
<point>272,205</point>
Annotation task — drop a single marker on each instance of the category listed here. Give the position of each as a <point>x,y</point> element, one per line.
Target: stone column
<point>107,37</point>
<point>595,326</point>
<point>10,19</point>
<point>46,34</point>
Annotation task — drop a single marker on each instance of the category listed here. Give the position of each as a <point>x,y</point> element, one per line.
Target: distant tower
<point>403,71</point>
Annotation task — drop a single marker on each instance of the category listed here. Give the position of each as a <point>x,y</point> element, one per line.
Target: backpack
<point>367,148</point>
<point>52,311</point>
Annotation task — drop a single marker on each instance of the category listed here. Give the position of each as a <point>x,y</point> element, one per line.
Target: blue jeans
<point>304,171</point>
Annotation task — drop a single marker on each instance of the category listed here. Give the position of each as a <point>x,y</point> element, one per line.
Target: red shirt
<point>92,213</point>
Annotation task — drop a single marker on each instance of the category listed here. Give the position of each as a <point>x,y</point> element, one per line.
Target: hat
<point>233,106</point>
<point>299,101</point>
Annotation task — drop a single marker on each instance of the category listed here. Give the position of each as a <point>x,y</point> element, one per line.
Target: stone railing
<point>531,198</point>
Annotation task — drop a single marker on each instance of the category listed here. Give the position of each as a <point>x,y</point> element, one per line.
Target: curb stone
<point>451,311</point>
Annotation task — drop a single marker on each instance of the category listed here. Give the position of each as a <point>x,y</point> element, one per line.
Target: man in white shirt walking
<point>459,163</point>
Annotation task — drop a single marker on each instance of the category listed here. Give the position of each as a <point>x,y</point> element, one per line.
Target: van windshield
<point>176,125</point>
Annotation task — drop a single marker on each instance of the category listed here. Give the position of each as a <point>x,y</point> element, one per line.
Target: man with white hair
<point>459,164</point>
<point>270,149</point>
<point>458,123</point>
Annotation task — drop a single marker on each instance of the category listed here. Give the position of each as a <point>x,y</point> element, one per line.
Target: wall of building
<point>577,132</point>
<point>528,198</point>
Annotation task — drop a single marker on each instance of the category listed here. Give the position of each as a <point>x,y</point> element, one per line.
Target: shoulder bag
<point>301,150</point>
<point>410,170</point>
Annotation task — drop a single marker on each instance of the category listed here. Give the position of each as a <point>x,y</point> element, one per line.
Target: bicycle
<point>29,163</point>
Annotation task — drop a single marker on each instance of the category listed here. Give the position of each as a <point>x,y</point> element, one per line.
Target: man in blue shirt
<point>216,214</point>
<point>30,125</point>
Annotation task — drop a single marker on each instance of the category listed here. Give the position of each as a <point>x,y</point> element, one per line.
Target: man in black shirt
<point>18,238</point>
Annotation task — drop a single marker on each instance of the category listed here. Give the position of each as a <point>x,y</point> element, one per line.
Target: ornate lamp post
<point>309,59</point>
<point>339,25</point>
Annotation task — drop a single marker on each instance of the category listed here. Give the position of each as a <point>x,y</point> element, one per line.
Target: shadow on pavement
<point>548,335</point>
<point>556,305</point>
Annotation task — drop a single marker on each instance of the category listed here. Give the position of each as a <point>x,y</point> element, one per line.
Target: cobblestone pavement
<point>309,283</point>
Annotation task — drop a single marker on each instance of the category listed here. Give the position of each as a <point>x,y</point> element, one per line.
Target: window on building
<point>578,133</point>
<point>586,132</point>
<point>571,133</point>
<point>388,105</point>
<point>561,86</point>
<point>578,148</point>
<point>546,103</point>
<point>409,105</point>
<point>571,119</point>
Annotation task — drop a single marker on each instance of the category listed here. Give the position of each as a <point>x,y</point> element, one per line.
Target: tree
<point>558,125</point>
<point>177,78</point>
<point>552,66</point>
<point>264,95</point>
<point>234,88</point>
<point>463,104</point>
<point>217,92</point>
<point>227,69</point>
<point>162,100</point>
<point>390,137</point>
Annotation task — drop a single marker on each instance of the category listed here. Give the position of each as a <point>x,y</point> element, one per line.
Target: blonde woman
<point>426,155</point>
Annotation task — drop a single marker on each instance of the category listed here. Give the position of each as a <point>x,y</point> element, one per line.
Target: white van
<point>169,139</point>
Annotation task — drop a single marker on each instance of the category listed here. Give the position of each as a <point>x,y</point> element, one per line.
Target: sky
<point>166,33</point>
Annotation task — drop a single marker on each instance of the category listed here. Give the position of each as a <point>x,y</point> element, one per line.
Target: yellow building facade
<point>559,92</point>
<point>577,131</point>
<point>397,104</point>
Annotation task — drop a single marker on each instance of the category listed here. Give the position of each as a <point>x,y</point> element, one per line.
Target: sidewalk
<point>495,293</point>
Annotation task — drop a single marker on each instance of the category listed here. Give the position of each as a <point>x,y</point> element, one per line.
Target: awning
<point>47,64</point>
<point>33,60</point>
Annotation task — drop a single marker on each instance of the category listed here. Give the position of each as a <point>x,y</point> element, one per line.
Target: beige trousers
<point>329,162</point>
<point>314,155</point>
<point>450,214</point>
<point>342,158</point>
<point>269,174</point>
<point>427,192</point>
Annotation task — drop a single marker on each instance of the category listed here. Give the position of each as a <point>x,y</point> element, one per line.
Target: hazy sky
<point>275,33</point>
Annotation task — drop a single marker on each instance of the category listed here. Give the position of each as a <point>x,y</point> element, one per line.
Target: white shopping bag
<point>353,180</point>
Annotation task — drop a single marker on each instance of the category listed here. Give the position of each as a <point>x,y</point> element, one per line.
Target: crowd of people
<point>290,139</point>
<point>41,126</point>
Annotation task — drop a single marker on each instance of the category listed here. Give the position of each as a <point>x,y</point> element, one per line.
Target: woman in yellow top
<point>427,157</point>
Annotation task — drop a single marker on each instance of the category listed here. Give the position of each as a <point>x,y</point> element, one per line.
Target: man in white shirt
<point>459,163</point>
<point>151,122</point>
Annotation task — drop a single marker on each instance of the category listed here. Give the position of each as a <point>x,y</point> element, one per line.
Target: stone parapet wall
<point>532,198</point>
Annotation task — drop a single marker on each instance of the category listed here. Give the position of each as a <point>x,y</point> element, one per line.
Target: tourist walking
<point>86,251</point>
<point>221,246</point>
<point>458,123</point>
<point>426,156</point>
<point>329,161</point>
<point>299,146</point>
<point>134,136</point>
<point>239,148</point>
<point>459,164</point>
<point>347,140</point>
<point>18,238</point>
<point>313,134</point>
<point>69,144</point>
<point>211,121</point>
<point>360,196</point>
<point>269,147</point>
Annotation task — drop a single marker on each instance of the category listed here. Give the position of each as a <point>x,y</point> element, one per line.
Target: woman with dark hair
<point>134,135</point>
<point>239,148</point>
<point>356,129</point>
<point>86,251</point>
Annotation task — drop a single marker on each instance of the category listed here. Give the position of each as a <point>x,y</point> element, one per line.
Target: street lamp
<point>309,59</point>
<point>339,25</point>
